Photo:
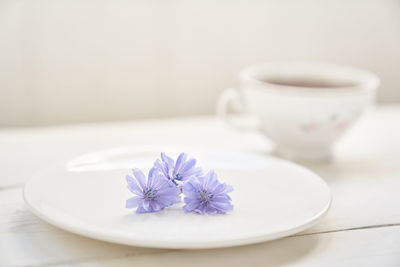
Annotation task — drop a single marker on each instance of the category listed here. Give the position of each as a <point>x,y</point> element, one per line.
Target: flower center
<point>150,194</point>
<point>178,177</point>
<point>205,197</point>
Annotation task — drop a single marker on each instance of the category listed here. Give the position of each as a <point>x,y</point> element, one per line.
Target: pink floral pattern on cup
<point>335,121</point>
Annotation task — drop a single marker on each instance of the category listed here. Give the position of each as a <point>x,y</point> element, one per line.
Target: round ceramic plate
<point>272,198</point>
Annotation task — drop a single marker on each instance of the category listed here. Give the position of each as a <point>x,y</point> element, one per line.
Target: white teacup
<point>303,107</point>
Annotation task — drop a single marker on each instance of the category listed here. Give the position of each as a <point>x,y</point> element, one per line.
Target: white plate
<point>273,198</point>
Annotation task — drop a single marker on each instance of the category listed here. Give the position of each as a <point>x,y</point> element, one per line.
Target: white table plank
<point>366,248</point>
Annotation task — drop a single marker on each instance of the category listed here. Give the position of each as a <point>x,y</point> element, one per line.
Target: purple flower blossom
<point>180,171</point>
<point>205,194</point>
<point>153,194</point>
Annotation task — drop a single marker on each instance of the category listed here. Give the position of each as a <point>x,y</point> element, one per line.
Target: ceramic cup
<point>303,107</point>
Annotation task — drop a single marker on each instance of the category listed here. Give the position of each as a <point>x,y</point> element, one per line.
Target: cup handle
<point>231,98</point>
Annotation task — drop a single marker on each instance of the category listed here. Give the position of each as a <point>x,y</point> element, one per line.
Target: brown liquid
<point>310,83</point>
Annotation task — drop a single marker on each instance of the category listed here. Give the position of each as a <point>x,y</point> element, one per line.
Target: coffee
<point>307,82</point>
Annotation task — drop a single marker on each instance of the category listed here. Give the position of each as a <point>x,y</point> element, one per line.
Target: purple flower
<point>153,194</point>
<point>205,194</point>
<point>180,171</point>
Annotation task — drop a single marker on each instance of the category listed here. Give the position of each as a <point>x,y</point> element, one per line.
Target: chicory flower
<point>205,194</point>
<point>152,194</point>
<point>179,171</point>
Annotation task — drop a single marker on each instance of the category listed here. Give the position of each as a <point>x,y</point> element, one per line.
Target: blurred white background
<point>72,61</point>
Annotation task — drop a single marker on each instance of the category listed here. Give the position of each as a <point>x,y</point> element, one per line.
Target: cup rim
<point>362,81</point>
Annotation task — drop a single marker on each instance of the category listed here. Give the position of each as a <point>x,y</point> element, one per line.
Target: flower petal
<point>228,188</point>
<point>191,206</point>
<point>168,201</point>
<point>161,181</point>
<point>168,160</point>
<point>223,189</point>
<point>133,186</point>
<point>132,202</point>
<point>211,210</point>
<point>141,210</point>
<point>189,186</point>
<point>179,162</point>
<point>188,165</point>
<point>154,206</point>
<point>161,166</point>
<point>192,172</point>
<point>155,178</point>
<point>222,207</point>
<point>140,177</point>
<point>209,178</point>
<point>146,205</point>
<point>167,189</point>
<point>221,199</point>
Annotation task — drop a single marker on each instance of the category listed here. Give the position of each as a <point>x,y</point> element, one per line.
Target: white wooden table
<point>362,227</point>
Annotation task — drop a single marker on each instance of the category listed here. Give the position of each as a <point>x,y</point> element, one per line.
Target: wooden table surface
<point>362,227</point>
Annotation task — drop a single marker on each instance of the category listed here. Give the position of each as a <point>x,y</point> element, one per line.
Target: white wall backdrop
<point>66,61</point>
